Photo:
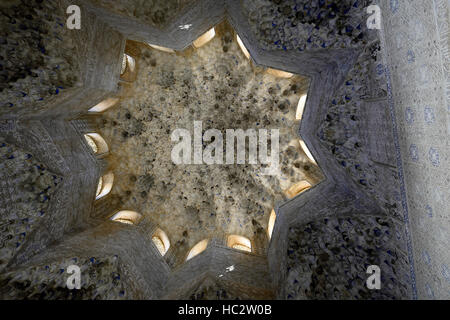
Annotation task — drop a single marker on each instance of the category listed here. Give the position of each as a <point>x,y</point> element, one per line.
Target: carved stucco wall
<point>328,259</point>
<point>59,148</point>
<point>27,187</point>
<point>355,131</point>
<point>50,70</point>
<point>417,47</point>
<point>306,25</point>
<point>142,270</point>
<point>36,62</point>
<point>153,12</point>
<point>101,280</point>
<point>50,76</point>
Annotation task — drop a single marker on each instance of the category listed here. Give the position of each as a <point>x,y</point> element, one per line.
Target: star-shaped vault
<point>213,81</point>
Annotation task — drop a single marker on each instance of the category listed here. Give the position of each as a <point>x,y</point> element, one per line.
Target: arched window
<point>161,241</point>
<point>164,49</point>
<point>307,152</point>
<point>273,217</point>
<point>128,64</point>
<point>239,243</point>
<point>105,184</point>
<point>297,188</point>
<point>97,143</point>
<point>205,38</point>
<point>105,104</point>
<point>279,73</point>
<point>197,249</point>
<point>124,64</point>
<point>300,107</point>
<point>127,217</point>
<point>243,48</point>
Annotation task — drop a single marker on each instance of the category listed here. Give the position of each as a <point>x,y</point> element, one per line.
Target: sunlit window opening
<point>239,243</point>
<point>159,244</point>
<point>104,105</point>
<point>243,48</point>
<point>91,143</point>
<point>104,185</point>
<point>300,107</point>
<point>127,217</point>
<point>297,188</point>
<point>161,241</point>
<point>129,63</point>
<point>125,221</point>
<point>197,249</point>
<point>124,64</point>
<point>279,73</point>
<point>205,38</point>
<point>307,152</point>
<point>273,217</point>
<point>154,46</point>
<point>99,186</point>
<point>96,142</point>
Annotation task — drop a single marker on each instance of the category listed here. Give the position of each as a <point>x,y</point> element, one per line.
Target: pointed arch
<point>279,73</point>
<point>161,241</point>
<point>97,143</point>
<point>128,65</point>
<point>297,188</point>
<point>105,185</point>
<point>242,46</point>
<point>197,249</point>
<point>160,48</point>
<point>307,152</point>
<point>300,107</point>
<point>127,217</point>
<point>239,243</point>
<point>271,224</point>
<point>204,38</point>
<point>104,105</point>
